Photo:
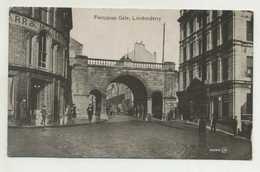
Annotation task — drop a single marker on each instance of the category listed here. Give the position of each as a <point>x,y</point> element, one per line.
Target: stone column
<point>149,105</point>
<point>103,113</point>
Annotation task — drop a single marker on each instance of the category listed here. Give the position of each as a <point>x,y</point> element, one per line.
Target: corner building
<point>216,49</point>
<point>38,60</point>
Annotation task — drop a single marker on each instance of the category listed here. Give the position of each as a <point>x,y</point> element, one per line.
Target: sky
<point>111,33</point>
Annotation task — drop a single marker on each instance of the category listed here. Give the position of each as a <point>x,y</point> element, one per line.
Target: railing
<point>128,64</point>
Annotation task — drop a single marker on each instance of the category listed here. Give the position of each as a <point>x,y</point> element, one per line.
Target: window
<point>42,50</point>
<point>191,74</point>
<point>184,31</point>
<point>191,27</point>
<point>191,49</point>
<point>215,37</point>
<point>208,17</point>
<point>200,47</point>
<point>184,54</point>
<point>199,70</point>
<point>194,24</point>
<point>218,34</point>
<point>249,66</point>
<point>184,79</point>
<point>249,100</point>
<point>199,21</point>
<point>208,41</point>
<point>225,69</point>
<point>249,30</point>
<point>215,71</point>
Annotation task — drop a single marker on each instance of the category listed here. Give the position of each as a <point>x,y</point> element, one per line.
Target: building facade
<point>119,98</point>
<point>140,53</point>
<point>38,62</point>
<point>216,48</point>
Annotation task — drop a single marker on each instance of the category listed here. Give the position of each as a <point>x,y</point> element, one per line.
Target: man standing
<point>90,112</point>
<point>23,111</point>
<point>234,125</point>
<point>44,114</point>
<point>214,123</point>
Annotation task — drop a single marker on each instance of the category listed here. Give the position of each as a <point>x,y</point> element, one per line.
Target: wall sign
<point>35,26</point>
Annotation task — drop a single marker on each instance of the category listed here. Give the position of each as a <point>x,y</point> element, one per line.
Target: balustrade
<point>126,64</point>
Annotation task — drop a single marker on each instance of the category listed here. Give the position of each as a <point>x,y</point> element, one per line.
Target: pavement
<point>125,137</point>
<point>120,118</point>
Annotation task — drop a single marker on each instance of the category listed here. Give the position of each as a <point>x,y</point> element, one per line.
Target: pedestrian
<point>74,112</point>
<point>68,115</point>
<point>234,125</point>
<point>142,112</point>
<point>90,112</point>
<point>138,112</point>
<point>213,124</point>
<point>170,115</point>
<point>22,111</point>
<point>44,114</point>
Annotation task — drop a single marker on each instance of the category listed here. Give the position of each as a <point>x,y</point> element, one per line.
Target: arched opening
<point>119,99</point>
<point>95,100</point>
<point>157,104</point>
<point>134,93</point>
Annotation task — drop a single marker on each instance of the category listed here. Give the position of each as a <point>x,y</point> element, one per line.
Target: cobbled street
<point>124,137</point>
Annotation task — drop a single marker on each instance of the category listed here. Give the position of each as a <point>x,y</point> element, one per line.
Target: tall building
<point>76,48</point>
<point>38,60</point>
<point>140,53</point>
<point>216,54</point>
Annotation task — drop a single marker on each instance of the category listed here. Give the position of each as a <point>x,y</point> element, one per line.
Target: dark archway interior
<point>157,104</point>
<point>97,95</point>
<point>137,87</point>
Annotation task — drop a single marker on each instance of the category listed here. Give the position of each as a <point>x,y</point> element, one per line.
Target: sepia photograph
<point>130,83</point>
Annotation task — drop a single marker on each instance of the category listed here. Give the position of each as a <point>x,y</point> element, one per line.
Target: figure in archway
<point>90,112</point>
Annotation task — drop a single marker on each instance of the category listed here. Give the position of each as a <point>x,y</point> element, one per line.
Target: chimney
<point>154,54</point>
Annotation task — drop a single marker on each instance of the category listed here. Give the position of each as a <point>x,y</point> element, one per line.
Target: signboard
<point>35,26</point>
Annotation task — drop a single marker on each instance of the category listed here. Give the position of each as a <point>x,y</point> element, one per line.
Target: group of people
<point>70,114</point>
<point>140,113</point>
<point>233,124</point>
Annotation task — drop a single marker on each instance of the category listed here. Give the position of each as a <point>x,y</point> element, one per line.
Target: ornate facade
<point>38,62</point>
<point>216,47</point>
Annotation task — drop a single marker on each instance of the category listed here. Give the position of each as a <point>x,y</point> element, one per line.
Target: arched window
<point>42,49</point>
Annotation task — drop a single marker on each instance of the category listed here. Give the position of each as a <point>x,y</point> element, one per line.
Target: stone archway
<point>138,89</point>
